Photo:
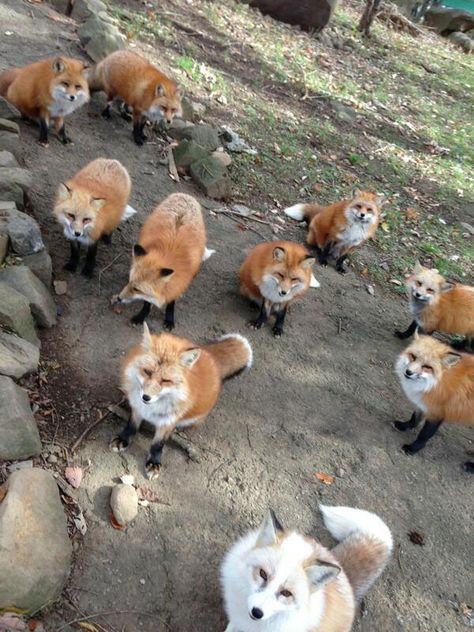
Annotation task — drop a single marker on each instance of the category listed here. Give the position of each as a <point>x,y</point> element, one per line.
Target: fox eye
<point>78,87</point>
<point>418,283</point>
<point>87,220</point>
<point>166,381</point>
<point>280,275</point>
<point>411,357</point>
<point>296,279</point>
<point>136,289</point>
<point>148,372</point>
<point>263,575</point>
<point>65,84</point>
<point>71,216</point>
<point>286,593</point>
<point>430,290</point>
<point>358,206</point>
<point>426,367</point>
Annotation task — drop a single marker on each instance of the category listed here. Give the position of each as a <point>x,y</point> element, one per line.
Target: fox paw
<point>167,326</point>
<point>66,140</point>
<point>402,426</point>
<point>408,448</point>
<point>341,270</point>
<point>469,467</point>
<point>255,324</point>
<point>152,470</point>
<point>43,143</point>
<point>137,319</point>
<point>71,266</point>
<point>277,331</point>
<point>118,445</point>
<point>87,272</point>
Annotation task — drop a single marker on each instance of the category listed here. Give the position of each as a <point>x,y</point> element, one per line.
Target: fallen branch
<point>108,613</point>
<point>89,429</point>
<point>107,267</point>
<point>231,215</point>
<point>186,446</point>
<point>393,18</point>
<point>172,165</point>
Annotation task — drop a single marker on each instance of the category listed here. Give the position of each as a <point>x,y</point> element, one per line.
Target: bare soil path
<point>319,399</point>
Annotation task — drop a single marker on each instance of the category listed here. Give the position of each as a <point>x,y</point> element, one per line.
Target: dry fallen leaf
<point>417,538</point>
<point>87,626</point>
<point>80,523</point>
<point>327,479</point>
<point>114,522</point>
<point>145,493</point>
<point>73,474</point>
<point>11,621</point>
<point>3,491</point>
<point>412,214</point>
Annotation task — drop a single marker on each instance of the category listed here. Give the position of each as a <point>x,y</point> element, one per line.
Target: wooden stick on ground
<point>90,428</point>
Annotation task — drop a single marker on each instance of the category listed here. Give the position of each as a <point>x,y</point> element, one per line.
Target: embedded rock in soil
<point>35,552</point>
<point>23,230</point>
<point>15,314</point>
<point>8,110</point>
<point>14,183</point>
<point>210,174</point>
<point>17,356</point>
<point>41,265</point>
<point>100,38</point>
<point>124,503</point>
<point>42,306</point>
<point>18,430</point>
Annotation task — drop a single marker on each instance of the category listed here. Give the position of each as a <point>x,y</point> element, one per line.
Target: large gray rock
<point>22,279</point>
<point>9,141</point>
<point>8,110</point>
<point>187,152</point>
<point>204,135</point>
<point>18,429</point>
<point>9,126</point>
<point>7,159</point>
<point>83,9</point>
<point>17,356</point>
<point>446,20</point>
<point>211,176</point>
<point>15,314</point>
<point>124,503</point>
<point>463,41</point>
<point>309,14</point>
<point>41,265</point>
<point>35,552</point>
<point>23,230</point>
<point>100,38</point>
<point>14,184</point>
<point>3,246</point>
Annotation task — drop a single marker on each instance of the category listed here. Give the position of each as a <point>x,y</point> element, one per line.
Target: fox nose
<point>408,373</point>
<point>72,97</point>
<point>77,233</point>
<point>362,215</point>
<point>417,294</point>
<point>283,292</point>
<point>256,613</point>
<point>145,397</point>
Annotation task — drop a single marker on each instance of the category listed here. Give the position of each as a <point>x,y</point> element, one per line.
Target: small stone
<point>100,38</point>
<point>23,230</point>
<point>340,472</point>
<point>14,184</point>
<point>18,357</point>
<point>60,287</point>
<point>9,126</point>
<point>22,279</point>
<point>20,465</point>
<point>41,265</point>
<point>83,9</point>
<point>370,290</point>
<point>52,458</point>
<point>142,581</point>
<point>211,177</point>
<point>223,157</point>
<point>124,503</point>
<point>7,159</point>
<point>187,152</point>
<point>343,112</point>
<point>8,110</point>
<point>468,227</point>
<point>9,142</point>
<point>35,551</point>
<point>204,135</point>
<point>15,314</point>
<point>18,429</point>
<point>192,110</point>
<point>241,210</point>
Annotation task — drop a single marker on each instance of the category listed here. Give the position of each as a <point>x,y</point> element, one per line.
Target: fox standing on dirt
<point>281,581</point>
<point>339,228</point>
<point>132,78</point>
<point>173,383</point>
<point>47,90</point>
<point>274,275</point>
<point>90,206</point>
<point>440,383</point>
<point>168,256</point>
<point>437,305</point>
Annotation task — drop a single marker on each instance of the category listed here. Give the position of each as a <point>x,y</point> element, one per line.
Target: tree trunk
<point>368,16</point>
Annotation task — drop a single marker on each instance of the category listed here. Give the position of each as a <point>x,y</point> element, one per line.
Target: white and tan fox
<point>282,581</point>
<point>90,206</point>
<point>173,383</point>
<point>438,305</point>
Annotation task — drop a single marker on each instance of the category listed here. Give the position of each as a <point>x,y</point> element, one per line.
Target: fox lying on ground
<point>47,90</point>
<point>281,581</point>
<point>440,383</point>
<point>437,305</point>
<point>337,229</point>
<point>173,383</point>
<point>90,206</point>
<point>148,92</point>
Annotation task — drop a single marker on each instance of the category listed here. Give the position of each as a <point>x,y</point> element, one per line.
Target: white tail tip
<point>207,253</point>
<point>314,281</point>
<point>341,522</point>
<point>246,344</point>
<point>128,213</point>
<point>295,212</point>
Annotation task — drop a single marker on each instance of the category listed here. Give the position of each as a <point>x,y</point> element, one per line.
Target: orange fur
<point>174,238</point>
<point>94,199</point>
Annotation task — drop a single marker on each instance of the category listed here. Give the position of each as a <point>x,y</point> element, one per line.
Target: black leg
<point>153,462</point>
<point>73,262</point>
<point>278,326</point>
<point>126,111</point>
<point>63,137</point>
<point>89,266</point>
<point>44,129</point>
<point>469,466</point>
<point>122,441</point>
<point>339,264</point>
<point>106,111</point>
<point>169,316</point>
<point>262,318</point>
<point>429,429</point>
<point>138,134</point>
<point>323,253</point>
<point>106,239</point>
<point>142,314</point>
<point>411,423</point>
<point>403,335</point>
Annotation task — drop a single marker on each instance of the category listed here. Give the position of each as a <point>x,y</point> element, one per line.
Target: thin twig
<point>172,165</point>
<point>185,445</point>
<point>339,326</point>
<point>399,553</point>
<point>89,429</point>
<point>108,266</point>
<point>108,613</point>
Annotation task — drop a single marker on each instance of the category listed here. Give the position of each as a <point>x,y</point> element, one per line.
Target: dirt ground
<point>319,399</point>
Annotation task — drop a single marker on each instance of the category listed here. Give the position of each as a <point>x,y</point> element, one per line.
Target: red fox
<point>274,275</point>
<point>339,228</point>
<point>173,383</point>
<point>282,581</point>
<point>171,246</point>
<point>90,206</point>
<point>132,78</point>
<point>437,305</point>
<point>440,383</point>
<point>47,90</point>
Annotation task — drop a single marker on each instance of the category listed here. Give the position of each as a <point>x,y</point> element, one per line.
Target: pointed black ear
<point>58,65</point>
<point>166,272</point>
<point>277,524</point>
<point>138,250</point>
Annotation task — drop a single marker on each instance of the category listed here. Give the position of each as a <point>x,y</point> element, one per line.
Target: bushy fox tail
<point>365,544</point>
<point>302,212</point>
<point>94,78</point>
<point>6,79</point>
<point>232,354</point>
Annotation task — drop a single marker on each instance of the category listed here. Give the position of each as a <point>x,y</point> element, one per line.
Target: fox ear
<point>308,262</point>
<point>322,573</point>
<point>179,92</point>
<point>97,203</point>
<point>160,91</point>
<point>451,359</point>
<point>146,342</point>
<point>64,192</point>
<point>279,254</point>
<point>380,200</point>
<point>447,285</point>
<point>355,193</point>
<point>139,251</point>
<point>58,65</point>
<point>269,530</point>
<point>190,357</point>
<point>418,267</point>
